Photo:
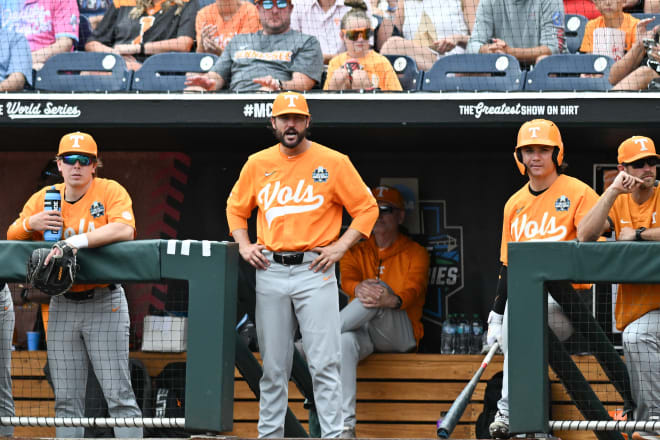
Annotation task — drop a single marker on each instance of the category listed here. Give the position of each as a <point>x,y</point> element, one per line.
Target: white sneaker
<point>347,432</point>
<point>500,426</point>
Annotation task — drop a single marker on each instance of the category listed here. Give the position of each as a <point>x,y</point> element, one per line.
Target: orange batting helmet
<point>539,132</point>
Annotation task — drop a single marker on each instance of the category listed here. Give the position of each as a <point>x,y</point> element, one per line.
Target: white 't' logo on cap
<point>379,190</point>
<point>292,99</point>
<point>75,138</point>
<point>641,142</point>
<point>534,131</point>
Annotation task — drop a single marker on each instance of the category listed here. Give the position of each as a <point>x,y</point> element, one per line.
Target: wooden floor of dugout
<point>398,395</point>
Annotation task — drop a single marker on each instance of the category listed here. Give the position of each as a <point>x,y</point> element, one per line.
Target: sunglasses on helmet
<point>354,34</point>
<point>638,164</point>
<point>268,4</point>
<point>71,159</point>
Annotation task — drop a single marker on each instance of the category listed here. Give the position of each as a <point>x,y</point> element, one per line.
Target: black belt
<point>86,294</point>
<point>288,258</point>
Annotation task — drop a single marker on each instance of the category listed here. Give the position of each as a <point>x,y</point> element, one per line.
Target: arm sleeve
<point>416,279</point>
<point>66,19</point>
<point>20,58</point>
<point>587,45</point>
<point>309,59</point>
<point>483,27</point>
<point>552,23</point>
<point>587,201</point>
<point>501,292</point>
<point>241,200</point>
<point>17,230</point>
<point>104,32</point>
<point>187,23</point>
<point>351,272</point>
<point>120,205</point>
<point>354,194</point>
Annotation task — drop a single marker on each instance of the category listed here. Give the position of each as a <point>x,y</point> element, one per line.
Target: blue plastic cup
<point>33,340</point>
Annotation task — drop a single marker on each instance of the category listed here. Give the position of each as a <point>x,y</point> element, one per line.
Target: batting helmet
<point>539,132</point>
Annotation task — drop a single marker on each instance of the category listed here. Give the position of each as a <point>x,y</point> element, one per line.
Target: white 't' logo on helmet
<point>534,131</point>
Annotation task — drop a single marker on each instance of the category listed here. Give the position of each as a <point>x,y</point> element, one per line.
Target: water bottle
<point>463,336</point>
<point>448,331</point>
<point>476,336</point>
<point>53,202</point>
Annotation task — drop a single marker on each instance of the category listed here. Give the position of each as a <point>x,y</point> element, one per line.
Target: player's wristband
<point>638,233</point>
<point>78,241</point>
<point>279,85</point>
<point>142,48</point>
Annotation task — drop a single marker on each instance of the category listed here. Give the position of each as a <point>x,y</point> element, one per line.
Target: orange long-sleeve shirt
<point>404,266</point>
<point>300,198</point>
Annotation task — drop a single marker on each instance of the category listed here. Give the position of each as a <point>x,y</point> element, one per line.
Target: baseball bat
<point>447,424</point>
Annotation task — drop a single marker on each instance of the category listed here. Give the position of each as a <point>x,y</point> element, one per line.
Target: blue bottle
<point>447,338</point>
<point>53,202</point>
<point>476,336</point>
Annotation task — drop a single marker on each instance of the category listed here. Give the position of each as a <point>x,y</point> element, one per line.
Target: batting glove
<point>494,328</point>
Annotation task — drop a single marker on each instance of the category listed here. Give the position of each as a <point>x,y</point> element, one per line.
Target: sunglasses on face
<point>638,164</point>
<point>383,210</point>
<point>71,159</point>
<point>354,34</point>
<point>268,4</point>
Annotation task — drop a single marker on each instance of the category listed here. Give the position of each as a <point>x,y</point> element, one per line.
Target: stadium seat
<point>494,72</point>
<point>406,69</point>
<point>574,31</point>
<point>563,72</point>
<point>84,72</point>
<point>643,15</point>
<point>166,72</point>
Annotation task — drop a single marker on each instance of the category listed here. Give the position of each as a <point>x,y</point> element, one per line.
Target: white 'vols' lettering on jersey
<point>532,231</point>
<point>69,232</point>
<point>284,195</point>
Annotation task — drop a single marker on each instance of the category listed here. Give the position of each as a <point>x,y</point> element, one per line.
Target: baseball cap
<point>635,148</point>
<point>388,195</point>
<point>290,102</point>
<point>77,142</point>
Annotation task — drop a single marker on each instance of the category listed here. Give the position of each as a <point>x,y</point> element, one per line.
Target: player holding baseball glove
<point>88,323</point>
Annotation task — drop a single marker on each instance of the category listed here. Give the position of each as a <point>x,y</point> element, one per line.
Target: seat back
<point>566,72</point>
<point>406,69</point>
<point>83,72</point>
<point>574,31</point>
<point>474,72</point>
<point>166,72</point>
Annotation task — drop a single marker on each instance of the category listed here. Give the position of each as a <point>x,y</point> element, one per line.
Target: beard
<point>280,136</point>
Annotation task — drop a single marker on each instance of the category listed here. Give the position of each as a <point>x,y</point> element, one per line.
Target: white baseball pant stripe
<point>6,332</point>
<point>91,331</point>
<point>286,295</point>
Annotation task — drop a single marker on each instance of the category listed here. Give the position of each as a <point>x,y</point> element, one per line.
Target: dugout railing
<point>531,267</point>
<point>211,269</point>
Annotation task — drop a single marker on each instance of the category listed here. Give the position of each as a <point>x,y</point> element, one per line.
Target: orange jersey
<point>300,198</point>
<point>244,21</point>
<point>404,266</point>
<point>380,71</point>
<point>635,300</point>
<point>627,26</point>
<point>106,201</point>
<point>550,216</point>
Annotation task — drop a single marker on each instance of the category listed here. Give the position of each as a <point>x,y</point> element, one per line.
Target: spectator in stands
<point>15,61</point>
<point>628,208</point>
<point>635,71</point>
<point>386,278</point>
<point>611,34</point>
<point>526,29</point>
<point>430,29</point>
<point>218,22</point>
<point>359,67</point>
<point>51,27</point>
<point>581,7</point>
<point>275,58</point>
<point>321,19</point>
<point>136,29</point>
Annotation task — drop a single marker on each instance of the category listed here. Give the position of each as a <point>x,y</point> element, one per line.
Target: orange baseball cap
<point>388,195</point>
<point>78,142</point>
<point>290,102</point>
<point>635,148</point>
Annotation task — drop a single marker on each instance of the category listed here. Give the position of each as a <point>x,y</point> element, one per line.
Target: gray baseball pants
<point>6,332</point>
<point>93,331</point>
<point>641,348</point>
<point>363,331</point>
<point>286,296</point>
<point>558,323</point>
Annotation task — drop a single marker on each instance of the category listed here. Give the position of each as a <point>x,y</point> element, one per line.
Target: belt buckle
<point>290,259</point>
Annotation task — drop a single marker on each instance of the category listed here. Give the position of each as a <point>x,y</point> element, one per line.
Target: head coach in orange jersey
<point>300,188</point>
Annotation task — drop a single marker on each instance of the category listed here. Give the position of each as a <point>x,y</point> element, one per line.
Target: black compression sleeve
<point>501,293</point>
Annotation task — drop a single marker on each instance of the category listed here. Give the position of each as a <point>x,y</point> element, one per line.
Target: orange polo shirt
<point>244,21</point>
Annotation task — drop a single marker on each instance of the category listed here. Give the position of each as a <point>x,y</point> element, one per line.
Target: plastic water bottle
<point>463,336</point>
<point>448,332</point>
<point>476,336</point>
<point>53,202</point>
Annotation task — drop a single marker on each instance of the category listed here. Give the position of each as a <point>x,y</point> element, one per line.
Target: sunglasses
<point>638,164</point>
<point>71,159</point>
<point>385,210</point>
<point>354,34</point>
<point>268,4</point>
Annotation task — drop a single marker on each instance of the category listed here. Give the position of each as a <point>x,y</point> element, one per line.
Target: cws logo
<point>445,246</point>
